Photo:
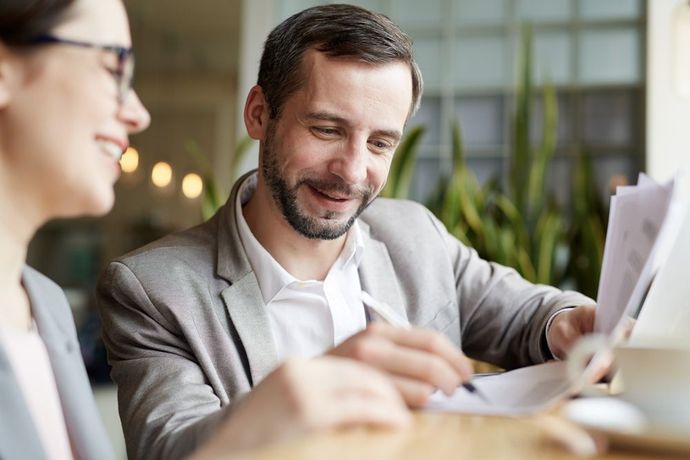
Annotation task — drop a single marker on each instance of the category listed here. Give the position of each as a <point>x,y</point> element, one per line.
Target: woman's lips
<point>111,146</point>
<point>111,149</point>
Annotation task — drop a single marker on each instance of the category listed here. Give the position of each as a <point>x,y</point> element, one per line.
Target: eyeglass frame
<point>124,75</point>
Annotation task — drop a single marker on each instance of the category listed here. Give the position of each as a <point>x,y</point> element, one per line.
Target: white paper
<point>665,243</point>
<point>665,314</point>
<point>637,216</point>
<point>521,391</point>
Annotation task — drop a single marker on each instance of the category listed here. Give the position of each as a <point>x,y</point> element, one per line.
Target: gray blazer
<point>18,436</point>
<point>187,331</point>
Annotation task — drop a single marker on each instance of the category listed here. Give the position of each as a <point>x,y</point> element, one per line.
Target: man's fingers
<point>418,356</point>
<point>569,326</point>
<point>407,362</point>
<point>415,393</point>
<point>585,318</point>
<point>354,409</point>
<point>349,376</point>
<point>357,394</point>
<point>426,340</point>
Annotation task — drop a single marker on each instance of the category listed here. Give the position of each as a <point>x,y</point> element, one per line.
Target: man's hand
<point>417,360</point>
<point>568,326</point>
<point>303,396</point>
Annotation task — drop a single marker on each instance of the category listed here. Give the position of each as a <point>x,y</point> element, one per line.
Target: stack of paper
<point>665,313</point>
<point>648,232</point>
<point>644,221</point>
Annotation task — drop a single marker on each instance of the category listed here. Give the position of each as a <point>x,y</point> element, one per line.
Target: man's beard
<point>285,197</point>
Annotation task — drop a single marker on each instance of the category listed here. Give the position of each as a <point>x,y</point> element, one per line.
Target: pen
<point>469,386</point>
<point>391,317</point>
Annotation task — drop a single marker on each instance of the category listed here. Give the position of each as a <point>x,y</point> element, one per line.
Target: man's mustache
<point>337,187</point>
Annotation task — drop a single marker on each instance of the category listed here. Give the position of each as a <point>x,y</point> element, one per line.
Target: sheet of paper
<point>521,391</point>
<point>667,239</point>
<point>636,218</point>
<point>665,314</point>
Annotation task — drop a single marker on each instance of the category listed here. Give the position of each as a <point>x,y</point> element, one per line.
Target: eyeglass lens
<point>125,75</point>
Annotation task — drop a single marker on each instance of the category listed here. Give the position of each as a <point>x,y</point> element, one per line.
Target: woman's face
<point>62,125</point>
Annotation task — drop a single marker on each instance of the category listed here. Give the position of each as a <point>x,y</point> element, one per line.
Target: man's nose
<point>350,164</point>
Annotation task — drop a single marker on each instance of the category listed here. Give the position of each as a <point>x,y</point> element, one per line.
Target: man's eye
<point>322,131</point>
<point>381,146</point>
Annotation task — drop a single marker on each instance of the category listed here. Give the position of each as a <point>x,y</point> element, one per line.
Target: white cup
<point>655,375</point>
<point>656,379</point>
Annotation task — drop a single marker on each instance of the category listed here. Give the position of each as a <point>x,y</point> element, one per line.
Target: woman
<point>66,111</point>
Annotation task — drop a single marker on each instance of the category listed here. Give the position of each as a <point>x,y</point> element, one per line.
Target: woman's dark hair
<point>23,20</point>
<point>337,31</point>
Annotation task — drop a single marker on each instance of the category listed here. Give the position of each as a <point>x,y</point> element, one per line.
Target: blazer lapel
<point>248,314</point>
<point>377,275</point>
<point>84,425</point>
<point>243,297</point>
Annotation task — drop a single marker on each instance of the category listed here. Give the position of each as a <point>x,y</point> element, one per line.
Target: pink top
<point>29,358</point>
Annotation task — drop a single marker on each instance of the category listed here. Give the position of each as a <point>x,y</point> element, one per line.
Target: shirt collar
<point>270,275</point>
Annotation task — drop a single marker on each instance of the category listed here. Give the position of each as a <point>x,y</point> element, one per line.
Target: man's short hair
<point>338,31</point>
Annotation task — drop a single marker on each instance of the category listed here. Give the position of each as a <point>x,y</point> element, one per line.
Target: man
<point>196,319</point>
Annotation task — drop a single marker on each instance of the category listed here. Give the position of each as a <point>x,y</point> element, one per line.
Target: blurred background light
<point>192,185</point>
<point>161,174</point>
<point>130,160</point>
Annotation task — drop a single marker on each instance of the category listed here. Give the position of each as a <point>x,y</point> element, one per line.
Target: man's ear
<point>256,113</point>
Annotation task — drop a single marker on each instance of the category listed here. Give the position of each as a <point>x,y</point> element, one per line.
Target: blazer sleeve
<point>502,316</point>
<point>167,406</point>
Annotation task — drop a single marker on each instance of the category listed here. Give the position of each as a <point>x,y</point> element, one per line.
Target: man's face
<point>328,154</point>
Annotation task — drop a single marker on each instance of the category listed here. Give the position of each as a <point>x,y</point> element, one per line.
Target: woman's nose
<point>133,114</point>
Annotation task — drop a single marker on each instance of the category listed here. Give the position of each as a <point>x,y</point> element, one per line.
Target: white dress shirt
<point>307,317</point>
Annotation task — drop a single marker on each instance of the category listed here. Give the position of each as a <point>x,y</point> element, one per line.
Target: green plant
<point>587,230</point>
<point>519,225</point>
<point>543,226</point>
<point>213,196</point>
<point>402,166</point>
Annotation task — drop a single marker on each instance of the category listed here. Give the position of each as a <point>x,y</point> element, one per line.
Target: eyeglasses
<point>123,74</point>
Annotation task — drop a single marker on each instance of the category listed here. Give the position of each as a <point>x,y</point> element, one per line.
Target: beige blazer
<point>187,331</point>
<point>18,436</point>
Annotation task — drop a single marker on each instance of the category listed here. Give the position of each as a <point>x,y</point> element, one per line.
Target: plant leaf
<point>402,166</point>
<point>520,161</point>
<point>542,158</point>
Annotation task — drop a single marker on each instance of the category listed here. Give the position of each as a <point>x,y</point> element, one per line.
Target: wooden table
<point>446,436</point>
